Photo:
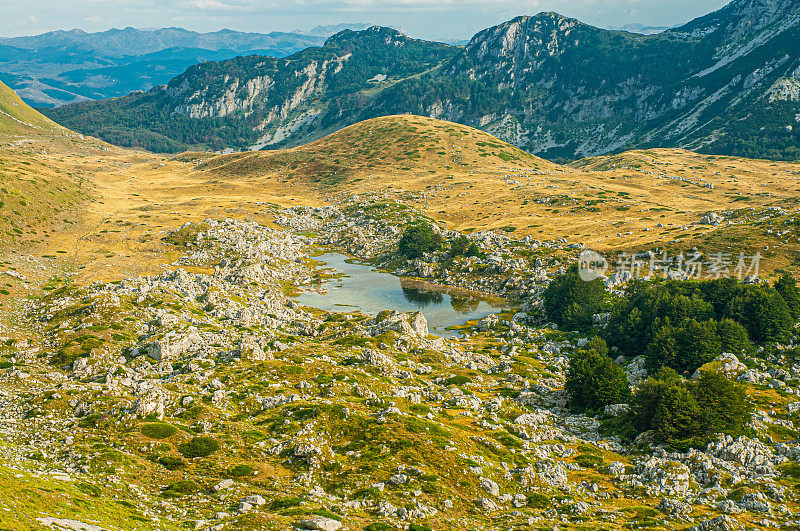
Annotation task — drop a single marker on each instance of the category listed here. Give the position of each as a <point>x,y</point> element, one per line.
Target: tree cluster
<point>678,324</point>
<point>594,380</point>
<point>418,239</point>
<point>677,411</point>
<point>686,413</point>
<point>570,301</point>
<point>685,324</point>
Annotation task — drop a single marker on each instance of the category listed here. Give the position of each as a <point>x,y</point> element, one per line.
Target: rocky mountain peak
<point>388,35</point>
<point>547,83</point>
<point>760,12</point>
<point>742,19</point>
<point>523,36</point>
<point>518,46</point>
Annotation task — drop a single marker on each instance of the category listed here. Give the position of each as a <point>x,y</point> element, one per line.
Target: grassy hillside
<point>471,181</point>
<point>401,145</point>
<point>35,194</point>
<point>16,117</point>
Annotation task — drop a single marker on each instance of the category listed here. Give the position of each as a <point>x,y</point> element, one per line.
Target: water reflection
<point>464,304</point>
<point>361,287</point>
<point>422,298</point>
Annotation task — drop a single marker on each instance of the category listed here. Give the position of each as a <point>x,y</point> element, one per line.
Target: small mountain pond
<point>360,287</point>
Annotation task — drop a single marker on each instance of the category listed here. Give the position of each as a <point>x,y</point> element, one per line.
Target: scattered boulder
<point>490,486</point>
<point>711,219</point>
<point>486,504</point>
<point>222,485</point>
<point>673,507</point>
<point>411,324</point>
<point>720,523</point>
<point>318,523</point>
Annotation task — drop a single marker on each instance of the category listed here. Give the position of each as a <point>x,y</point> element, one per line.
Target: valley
<point>161,368</point>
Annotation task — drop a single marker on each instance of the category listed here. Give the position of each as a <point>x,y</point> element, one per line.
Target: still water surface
<point>363,288</point>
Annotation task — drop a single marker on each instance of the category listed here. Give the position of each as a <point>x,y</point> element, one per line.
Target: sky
<point>428,19</point>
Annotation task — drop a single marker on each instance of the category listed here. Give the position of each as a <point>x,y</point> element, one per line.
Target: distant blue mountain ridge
<point>61,67</point>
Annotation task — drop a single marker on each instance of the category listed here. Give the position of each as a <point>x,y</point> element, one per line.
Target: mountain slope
<point>554,86</point>
<point>17,117</point>
<point>35,195</point>
<point>67,66</point>
<point>728,83</point>
<point>404,146</point>
<point>261,100</point>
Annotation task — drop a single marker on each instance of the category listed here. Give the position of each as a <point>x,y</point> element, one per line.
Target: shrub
<point>462,246</point>
<point>698,343</point>
<point>158,430</point>
<point>419,409</point>
<point>791,469</point>
<point>285,503</point>
<point>181,488</point>
<point>254,436</point>
<point>240,471</point>
<point>662,351</point>
<point>724,404</point>
<point>538,501</point>
<point>379,526</point>
<point>644,512</point>
<point>669,410</point>
<point>734,338</point>
<point>171,462</point>
<point>763,312</point>
<point>589,461</point>
<point>201,446</point>
<point>419,239</point>
<point>89,421</point>
<point>571,302</point>
<point>457,380</point>
<point>87,488</point>
<point>594,380</point>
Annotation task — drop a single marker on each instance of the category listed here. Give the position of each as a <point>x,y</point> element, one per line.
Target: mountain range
<point>67,66</point>
<point>727,83</point>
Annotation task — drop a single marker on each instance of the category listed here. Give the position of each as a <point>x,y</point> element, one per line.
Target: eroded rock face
<point>171,346</point>
<point>674,506</point>
<point>151,402</point>
<point>660,477</point>
<point>406,324</point>
<point>753,457</point>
